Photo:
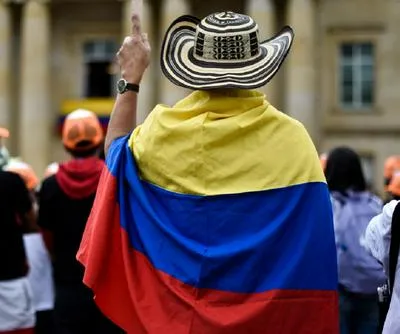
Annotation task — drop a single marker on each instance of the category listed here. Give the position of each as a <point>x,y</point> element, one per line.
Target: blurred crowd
<point>41,289</point>
<point>43,279</point>
<point>354,206</point>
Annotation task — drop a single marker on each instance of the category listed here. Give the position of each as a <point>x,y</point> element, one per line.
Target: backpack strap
<point>394,246</point>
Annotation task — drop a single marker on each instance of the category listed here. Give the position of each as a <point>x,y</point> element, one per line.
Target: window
<point>99,77</point>
<point>356,75</point>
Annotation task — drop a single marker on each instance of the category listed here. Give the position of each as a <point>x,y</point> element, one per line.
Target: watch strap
<point>132,87</point>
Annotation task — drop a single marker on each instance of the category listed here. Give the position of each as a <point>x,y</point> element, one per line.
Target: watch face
<point>121,86</point>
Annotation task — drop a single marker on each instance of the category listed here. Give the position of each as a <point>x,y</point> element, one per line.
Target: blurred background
<point>341,78</point>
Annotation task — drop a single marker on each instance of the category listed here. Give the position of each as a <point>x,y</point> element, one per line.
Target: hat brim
<point>183,68</point>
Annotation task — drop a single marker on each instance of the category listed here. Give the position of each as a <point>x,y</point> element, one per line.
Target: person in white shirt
<point>377,241</point>
<point>40,278</point>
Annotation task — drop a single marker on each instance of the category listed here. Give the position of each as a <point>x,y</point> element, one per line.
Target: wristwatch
<point>123,86</point>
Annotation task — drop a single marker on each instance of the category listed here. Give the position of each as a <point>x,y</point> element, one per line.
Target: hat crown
<point>226,36</point>
<point>228,18</point>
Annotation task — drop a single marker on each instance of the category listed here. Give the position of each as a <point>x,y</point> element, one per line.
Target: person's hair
<point>82,152</point>
<point>344,172</point>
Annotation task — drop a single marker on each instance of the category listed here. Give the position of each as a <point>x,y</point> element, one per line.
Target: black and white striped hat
<point>221,51</point>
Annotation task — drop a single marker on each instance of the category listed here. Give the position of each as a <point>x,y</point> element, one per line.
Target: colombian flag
<point>214,217</point>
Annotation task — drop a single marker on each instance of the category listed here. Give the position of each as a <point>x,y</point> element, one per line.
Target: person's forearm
<point>133,59</point>
<point>123,118</point>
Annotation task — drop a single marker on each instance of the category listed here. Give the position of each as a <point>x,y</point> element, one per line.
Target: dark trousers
<point>359,314</point>
<point>75,312</point>
<point>44,322</point>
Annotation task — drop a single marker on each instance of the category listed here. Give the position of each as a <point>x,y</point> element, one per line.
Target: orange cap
<point>394,185</point>
<point>323,158</point>
<point>51,169</point>
<point>4,133</point>
<point>25,171</point>
<point>82,131</point>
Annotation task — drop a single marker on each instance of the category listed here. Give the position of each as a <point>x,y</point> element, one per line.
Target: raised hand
<point>134,54</point>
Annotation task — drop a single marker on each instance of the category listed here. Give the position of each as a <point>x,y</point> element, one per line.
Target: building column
<point>263,12</point>
<point>35,114</point>
<point>300,73</point>
<point>171,9</point>
<point>5,64</point>
<point>147,91</point>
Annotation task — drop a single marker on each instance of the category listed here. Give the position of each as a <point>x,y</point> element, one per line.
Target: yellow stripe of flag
<point>224,142</point>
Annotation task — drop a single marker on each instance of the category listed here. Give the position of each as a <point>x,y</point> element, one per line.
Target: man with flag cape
<point>213,216</point>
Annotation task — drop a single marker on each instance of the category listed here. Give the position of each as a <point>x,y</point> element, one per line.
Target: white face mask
<point>4,157</point>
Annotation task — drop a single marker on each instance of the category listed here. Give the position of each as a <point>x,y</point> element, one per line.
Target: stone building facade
<point>341,78</point>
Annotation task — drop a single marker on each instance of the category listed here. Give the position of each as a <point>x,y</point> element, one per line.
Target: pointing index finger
<point>136,28</point>
<point>136,6</point>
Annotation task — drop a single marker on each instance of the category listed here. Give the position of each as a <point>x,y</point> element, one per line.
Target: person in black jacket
<point>66,199</point>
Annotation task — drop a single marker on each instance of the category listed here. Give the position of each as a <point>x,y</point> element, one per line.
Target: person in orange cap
<point>17,313</point>
<point>65,201</point>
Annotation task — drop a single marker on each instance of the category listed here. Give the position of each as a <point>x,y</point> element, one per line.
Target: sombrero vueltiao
<point>221,51</point>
